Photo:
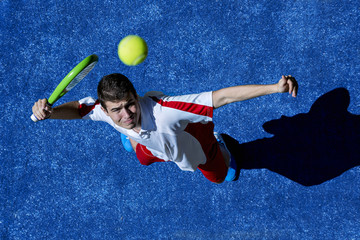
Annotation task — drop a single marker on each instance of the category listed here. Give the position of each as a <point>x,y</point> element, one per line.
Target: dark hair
<point>114,87</point>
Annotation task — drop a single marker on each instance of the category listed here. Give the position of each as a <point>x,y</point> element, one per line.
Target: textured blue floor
<point>73,180</point>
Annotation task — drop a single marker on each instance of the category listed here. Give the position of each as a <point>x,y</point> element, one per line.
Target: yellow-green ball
<point>132,50</point>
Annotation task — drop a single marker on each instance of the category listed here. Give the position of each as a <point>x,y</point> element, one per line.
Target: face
<point>124,113</point>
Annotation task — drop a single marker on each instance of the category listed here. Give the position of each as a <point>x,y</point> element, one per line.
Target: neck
<point>136,129</point>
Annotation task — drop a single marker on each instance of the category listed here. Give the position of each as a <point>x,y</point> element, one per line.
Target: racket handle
<point>34,118</point>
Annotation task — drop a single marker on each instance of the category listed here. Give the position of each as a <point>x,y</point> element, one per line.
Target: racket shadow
<point>308,148</point>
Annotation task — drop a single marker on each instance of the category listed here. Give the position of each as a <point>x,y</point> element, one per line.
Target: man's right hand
<point>41,109</point>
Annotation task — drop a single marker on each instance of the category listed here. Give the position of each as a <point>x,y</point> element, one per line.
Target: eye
<point>130,104</point>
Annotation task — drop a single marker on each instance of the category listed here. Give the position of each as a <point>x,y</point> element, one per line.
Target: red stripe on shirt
<point>187,107</point>
<point>84,109</point>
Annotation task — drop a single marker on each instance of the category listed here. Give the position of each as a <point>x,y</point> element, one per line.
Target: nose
<point>126,113</point>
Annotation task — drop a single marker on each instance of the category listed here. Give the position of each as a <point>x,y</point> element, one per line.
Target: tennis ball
<point>132,50</point>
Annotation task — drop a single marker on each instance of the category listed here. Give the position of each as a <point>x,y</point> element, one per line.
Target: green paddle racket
<point>71,79</point>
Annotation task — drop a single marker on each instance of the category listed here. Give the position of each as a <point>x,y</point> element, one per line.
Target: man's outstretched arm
<point>69,110</point>
<point>240,93</point>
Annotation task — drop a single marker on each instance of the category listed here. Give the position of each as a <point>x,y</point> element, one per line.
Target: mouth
<point>128,121</point>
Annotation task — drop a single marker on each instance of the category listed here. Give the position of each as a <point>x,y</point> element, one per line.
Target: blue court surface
<point>300,156</point>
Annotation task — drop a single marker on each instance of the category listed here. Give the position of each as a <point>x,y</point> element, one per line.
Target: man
<point>166,128</point>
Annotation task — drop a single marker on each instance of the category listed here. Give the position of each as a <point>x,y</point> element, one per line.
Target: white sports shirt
<point>163,121</point>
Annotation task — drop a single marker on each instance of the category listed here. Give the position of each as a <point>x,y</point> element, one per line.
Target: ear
<point>105,111</point>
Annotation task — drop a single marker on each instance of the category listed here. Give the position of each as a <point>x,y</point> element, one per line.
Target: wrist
<point>274,88</point>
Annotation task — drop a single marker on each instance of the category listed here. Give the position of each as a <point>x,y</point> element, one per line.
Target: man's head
<point>114,87</point>
<point>119,100</point>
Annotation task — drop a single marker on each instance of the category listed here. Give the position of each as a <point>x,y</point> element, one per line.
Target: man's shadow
<point>308,148</point>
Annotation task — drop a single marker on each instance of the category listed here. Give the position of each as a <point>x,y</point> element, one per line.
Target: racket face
<point>73,78</point>
<point>80,76</point>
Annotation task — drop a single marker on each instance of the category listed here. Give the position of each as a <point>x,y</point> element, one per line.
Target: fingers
<point>295,89</point>
<point>288,84</point>
<point>41,110</point>
<point>292,85</point>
